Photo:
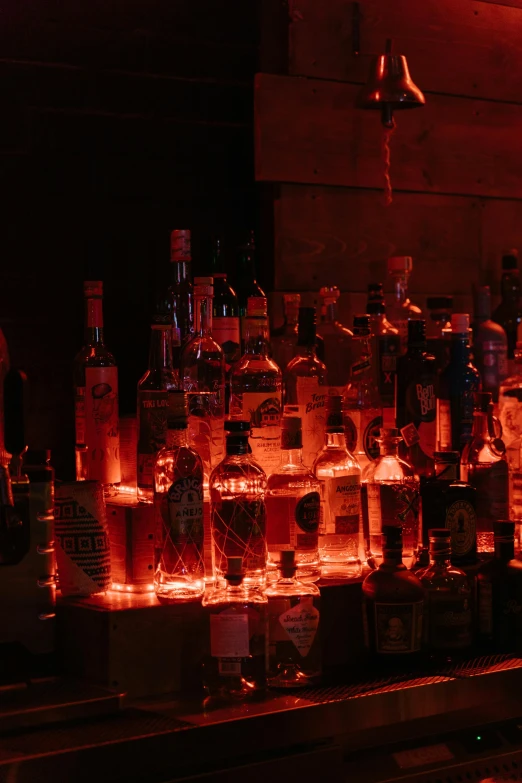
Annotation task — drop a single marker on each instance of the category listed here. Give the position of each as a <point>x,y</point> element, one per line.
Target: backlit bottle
<point>225,319</point>
<point>284,339</point>
<point>400,309</point>
<point>386,347</point>
<point>245,283</point>
<point>510,414</point>
<point>336,339</point>
<point>489,344</point>
<point>508,314</point>
<point>180,293</point>
<point>438,328</point>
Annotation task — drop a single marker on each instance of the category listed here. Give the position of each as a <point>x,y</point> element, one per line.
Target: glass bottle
<point>361,401</point>
<point>401,310</point>
<point>499,591</point>
<point>294,644</point>
<point>484,466</point>
<point>458,381</point>
<point>509,313</point>
<point>337,339</point>
<point>293,505</point>
<point>96,400</point>
<point>284,338</point>
<point>179,571</point>
<point>237,507</point>
<point>255,389</point>
<point>392,493</point>
<point>304,385</point>
<point>180,293</point>
<point>386,347</point>
<point>225,312</point>
<point>203,378</point>
<point>415,401</point>
<point>340,476</point>
<point>393,606</point>
<point>438,328</point>
<point>152,407</point>
<point>489,344</point>
<point>236,666</point>
<point>510,414</point>
<point>447,615</point>
<point>246,284</point>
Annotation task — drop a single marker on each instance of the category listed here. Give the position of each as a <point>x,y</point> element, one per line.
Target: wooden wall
<point>456,163</point>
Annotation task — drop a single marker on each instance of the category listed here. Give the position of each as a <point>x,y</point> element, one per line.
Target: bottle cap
<point>510,259</point>
<point>361,323</point>
<point>257,306</point>
<point>448,457</point>
<point>503,528</point>
<point>400,264</point>
<point>177,412</point>
<point>180,245</point>
<point>439,302</point>
<point>389,432</point>
<point>329,293</point>
<point>417,333</point>
<point>204,286</point>
<point>237,426</point>
<point>482,401</point>
<point>460,323</point>
<point>482,297</point>
<point>93,288</point>
<point>287,564</point>
<point>306,326</point>
<point>440,533</point>
<point>291,433</point>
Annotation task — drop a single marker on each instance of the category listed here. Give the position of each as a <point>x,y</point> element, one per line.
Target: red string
<point>386,154</point>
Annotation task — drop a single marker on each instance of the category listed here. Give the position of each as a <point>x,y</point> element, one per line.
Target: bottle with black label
<point>415,401</point>
<point>393,607</point>
<point>499,586</point>
<point>386,347</point>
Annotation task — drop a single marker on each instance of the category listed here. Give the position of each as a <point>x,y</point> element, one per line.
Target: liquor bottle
<point>489,344</point>
<point>203,378</point>
<point>450,502</point>
<point>284,338</point>
<point>447,615</point>
<point>393,607</point>
<point>510,414</point>
<point>337,339</point>
<point>180,293</point>
<point>293,505</point>
<point>415,401</point>
<point>499,590</point>
<point>237,507</point>
<point>438,328</point>
<point>294,644</point>
<point>340,476</point>
<point>361,401</point>
<point>401,310</point>
<point>225,310</point>
<point>304,385</point>
<point>246,284</point>
<point>96,395</point>
<point>484,466</point>
<point>236,666</point>
<point>255,389</point>
<point>179,572</point>
<point>508,313</point>
<point>391,490</point>
<point>386,347</point>
<point>458,381</point>
<point>153,401</point>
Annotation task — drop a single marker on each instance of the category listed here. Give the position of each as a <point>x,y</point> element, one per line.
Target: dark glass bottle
<point>181,301</point>
<point>386,344</point>
<point>499,588</point>
<point>457,383</point>
<point>509,314</point>
<point>393,607</point>
<point>415,401</point>
<point>438,327</point>
<point>489,344</point>
<point>283,339</point>
<point>246,284</point>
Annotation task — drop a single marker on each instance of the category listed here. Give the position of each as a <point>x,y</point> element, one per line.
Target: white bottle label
<point>311,399</point>
<point>229,636</point>
<point>102,434</point>
<point>264,411</point>
<point>300,624</point>
<point>343,505</point>
<point>374,509</point>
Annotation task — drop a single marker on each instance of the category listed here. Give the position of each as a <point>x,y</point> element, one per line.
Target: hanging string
<point>386,156</point>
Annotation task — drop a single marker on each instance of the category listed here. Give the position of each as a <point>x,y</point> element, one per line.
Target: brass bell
<point>390,87</point>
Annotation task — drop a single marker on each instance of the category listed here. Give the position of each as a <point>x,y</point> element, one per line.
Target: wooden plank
<point>308,130</point>
<point>459,48</point>
<point>334,236</point>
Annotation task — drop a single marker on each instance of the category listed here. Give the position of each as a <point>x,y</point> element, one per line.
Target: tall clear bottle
<point>489,344</point>
<point>386,347</point>
<point>293,506</point>
<point>284,338</point>
<point>225,310</point>
<point>255,389</point>
<point>246,284</point>
<point>304,384</point>
<point>179,572</point>
<point>337,339</point>
<point>510,414</point>
<point>340,476</point>
<point>203,378</point>
<point>361,400</point>
<point>96,400</point>
<point>509,312</point>
<point>237,507</point>
<point>180,293</point>
<point>401,309</point>
<point>152,407</point>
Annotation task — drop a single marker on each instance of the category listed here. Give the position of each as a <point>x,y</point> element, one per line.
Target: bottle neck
<point>510,287</point>
<point>180,271</point>
<point>460,348</point>
<point>392,557</point>
<point>257,337</point>
<point>335,440</point>
<point>292,457</point>
<point>447,471</point>
<point>442,558</point>
<point>160,351</point>
<point>306,350</point>
<point>177,438</point>
<point>362,367</point>
<point>203,314</point>
<point>94,321</point>
<point>400,287</point>
<point>480,425</point>
<point>330,313</point>
<point>387,449</point>
<point>504,549</point>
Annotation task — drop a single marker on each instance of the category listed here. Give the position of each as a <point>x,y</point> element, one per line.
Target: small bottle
<point>361,401</point>
<point>179,572</point>
<point>484,466</point>
<point>293,505</point>
<point>391,496</point>
<point>180,293</point>
<point>489,344</point>
<point>337,339</point>
<point>284,339</point>
<point>203,378</point>
<point>508,314</point>
<point>246,285</point>
<point>255,389</point>
<point>401,310</point>
<point>457,383</point>
<point>386,347</point>
<point>237,507</point>
<point>236,666</point>
<point>510,414</point>
<point>438,328</point>
<point>294,644</point>
<point>415,401</point>
<point>499,594</point>
<point>340,476</point>
<point>448,615</point>
<point>393,607</point>
<point>305,385</point>
<point>153,401</point>
<point>225,319</point>
<point>96,396</point>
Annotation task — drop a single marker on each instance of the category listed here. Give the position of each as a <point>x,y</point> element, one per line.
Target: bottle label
<point>461,520</point>
<point>359,367</point>
<point>448,621</point>
<point>102,435</point>
<point>225,331</point>
<point>264,411</point>
<point>229,636</point>
<point>293,521</point>
<point>420,409</point>
<point>79,415</point>
<point>398,627</point>
<point>494,363</point>
<point>300,624</point>
<point>152,432</point>
<point>185,501</point>
<point>311,399</point>
<point>343,505</point>
<point>511,418</point>
<point>444,438</point>
<point>361,429</point>
<point>389,347</point>
<point>205,425</point>
<point>485,607</point>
